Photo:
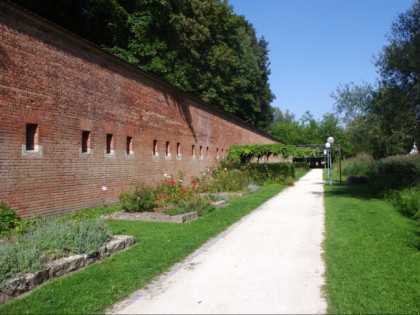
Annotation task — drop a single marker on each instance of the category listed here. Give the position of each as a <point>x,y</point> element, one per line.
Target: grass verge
<point>159,246</point>
<point>371,254</point>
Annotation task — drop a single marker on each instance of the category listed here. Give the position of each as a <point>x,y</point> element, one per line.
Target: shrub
<point>397,172</point>
<point>361,165</point>
<point>407,201</point>
<point>269,173</point>
<point>48,240</point>
<point>9,219</point>
<point>143,198</point>
<point>226,177</point>
<point>169,196</point>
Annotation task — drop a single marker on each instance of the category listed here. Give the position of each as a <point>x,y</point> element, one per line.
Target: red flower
<point>204,187</point>
<point>184,189</point>
<point>170,182</point>
<point>163,196</point>
<point>194,182</point>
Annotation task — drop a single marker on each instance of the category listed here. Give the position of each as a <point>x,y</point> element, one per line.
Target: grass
<point>159,246</point>
<point>371,253</point>
<point>299,173</point>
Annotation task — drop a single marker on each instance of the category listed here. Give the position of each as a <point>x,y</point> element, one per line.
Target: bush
<point>49,240</point>
<point>226,177</point>
<point>143,198</point>
<point>397,172</point>
<point>169,196</point>
<point>361,165</point>
<point>269,173</point>
<point>407,201</point>
<point>9,219</point>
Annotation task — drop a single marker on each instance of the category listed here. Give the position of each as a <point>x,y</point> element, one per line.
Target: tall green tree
<point>382,120</point>
<point>198,46</point>
<point>308,130</point>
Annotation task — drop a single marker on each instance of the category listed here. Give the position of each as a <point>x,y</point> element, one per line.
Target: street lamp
<point>330,142</point>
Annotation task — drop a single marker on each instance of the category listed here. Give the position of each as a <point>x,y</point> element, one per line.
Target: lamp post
<point>327,158</point>
<point>330,142</point>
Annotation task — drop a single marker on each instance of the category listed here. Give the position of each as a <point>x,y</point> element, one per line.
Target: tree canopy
<point>383,120</point>
<point>308,130</point>
<point>199,46</point>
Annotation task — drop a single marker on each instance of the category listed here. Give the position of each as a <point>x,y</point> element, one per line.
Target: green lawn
<point>371,253</point>
<point>159,245</point>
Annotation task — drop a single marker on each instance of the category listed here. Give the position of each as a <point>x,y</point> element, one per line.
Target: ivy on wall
<point>245,153</point>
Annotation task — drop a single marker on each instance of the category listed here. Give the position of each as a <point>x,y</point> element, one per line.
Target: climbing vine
<point>245,153</point>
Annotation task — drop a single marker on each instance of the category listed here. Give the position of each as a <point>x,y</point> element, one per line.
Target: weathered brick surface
<point>64,84</point>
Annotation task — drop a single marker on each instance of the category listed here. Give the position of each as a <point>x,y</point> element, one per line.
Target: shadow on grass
<point>360,191</point>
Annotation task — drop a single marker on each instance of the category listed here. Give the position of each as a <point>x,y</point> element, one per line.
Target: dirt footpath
<point>269,262</point>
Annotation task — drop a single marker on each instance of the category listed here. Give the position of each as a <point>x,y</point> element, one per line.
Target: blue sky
<point>316,45</point>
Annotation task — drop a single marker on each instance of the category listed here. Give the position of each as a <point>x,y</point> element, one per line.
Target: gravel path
<point>269,262</point>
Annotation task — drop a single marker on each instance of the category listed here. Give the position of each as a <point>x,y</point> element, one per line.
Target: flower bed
<point>60,267</point>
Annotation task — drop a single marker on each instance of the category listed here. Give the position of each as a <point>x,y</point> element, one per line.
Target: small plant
<point>174,197</point>
<point>9,219</point>
<point>289,181</point>
<point>227,177</point>
<point>140,200</point>
<point>49,240</point>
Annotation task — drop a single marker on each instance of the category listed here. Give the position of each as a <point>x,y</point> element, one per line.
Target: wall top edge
<point>10,9</point>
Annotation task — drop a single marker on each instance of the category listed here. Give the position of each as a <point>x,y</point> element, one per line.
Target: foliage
<point>9,219</point>
<point>307,130</point>
<point>169,196</point>
<point>407,201</point>
<point>172,196</point>
<point>397,172</point>
<point>227,177</point>
<point>49,240</point>
<point>272,173</point>
<point>383,120</point>
<point>198,46</point>
<point>361,165</point>
<point>142,198</point>
<point>245,153</point>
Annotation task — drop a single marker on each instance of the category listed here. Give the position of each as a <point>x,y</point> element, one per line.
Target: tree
<point>308,130</point>
<point>381,120</point>
<point>198,46</point>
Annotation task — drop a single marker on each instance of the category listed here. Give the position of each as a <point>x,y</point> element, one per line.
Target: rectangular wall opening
<point>167,149</point>
<point>155,148</point>
<point>109,143</point>
<point>85,141</point>
<point>129,145</point>
<point>178,149</point>
<point>31,137</point>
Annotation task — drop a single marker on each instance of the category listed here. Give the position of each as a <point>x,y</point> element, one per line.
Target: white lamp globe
<point>330,140</point>
<point>327,145</point>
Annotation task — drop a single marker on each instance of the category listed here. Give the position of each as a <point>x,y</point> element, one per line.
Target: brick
<point>65,85</point>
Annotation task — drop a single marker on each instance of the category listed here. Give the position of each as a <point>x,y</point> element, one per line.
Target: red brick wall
<point>64,84</point>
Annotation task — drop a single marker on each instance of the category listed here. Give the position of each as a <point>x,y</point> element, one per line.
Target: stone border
<point>158,216</point>
<point>151,216</point>
<point>60,267</point>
